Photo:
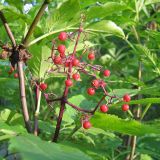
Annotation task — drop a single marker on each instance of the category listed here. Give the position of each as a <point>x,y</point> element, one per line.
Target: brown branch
<point>59,120</point>
<point>21,76</point>
<point>8,30</point>
<point>98,104</point>
<point>77,108</point>
<point>53,100</point>
<point>23,97</point>
<point>35,22</point>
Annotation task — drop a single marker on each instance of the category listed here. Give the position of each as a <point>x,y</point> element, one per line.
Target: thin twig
<point>77,108</point>
<point>98,104</point>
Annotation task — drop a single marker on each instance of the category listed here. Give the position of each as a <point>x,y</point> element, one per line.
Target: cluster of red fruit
<point>126,98</point>
<point>96,83</point>
<point>71,61</point>
<point>104,108</point>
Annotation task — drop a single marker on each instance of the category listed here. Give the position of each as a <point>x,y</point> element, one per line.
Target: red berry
<point>104,108</point>
<point>57,60</point>
<point>43,86</point>
<point>68,83</point>
<point>16,75</point>
<point>125,107</point>
<point>106,73</point>
<point>86,125</point>
<point>126,98</point>
<point>76,76</point>
<point>91,91</point>
<point>61,48</point>
<point>91,56</point>
<point>62,36</point>
<point>75,62</point>
<point>95,83</point>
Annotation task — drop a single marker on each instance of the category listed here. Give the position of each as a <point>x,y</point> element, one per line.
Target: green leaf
<point>16,3</point>
<point>63,16</point>
<point>103,10</point>
<point>145,157</point>
<point>11,130</point>
<point>152,57</point>
<point>38,64</point>
<point>122,92</point>
<point>148,2</point>
<point>140,101</point>
<point>106,26</point>
<point>130,127</point>
<point>31,148</point>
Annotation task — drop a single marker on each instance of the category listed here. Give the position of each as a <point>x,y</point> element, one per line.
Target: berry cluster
<point>73,64</point>
<point>126,98</point>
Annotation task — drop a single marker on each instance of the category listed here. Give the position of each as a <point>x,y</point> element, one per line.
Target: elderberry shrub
<point>73,66</point>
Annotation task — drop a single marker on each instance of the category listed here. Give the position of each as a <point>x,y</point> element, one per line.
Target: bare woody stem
<point>35,22</point>
<point>23,97</point>
<point>8,30</point>
<point>21,76</point>
<point>59,120</point>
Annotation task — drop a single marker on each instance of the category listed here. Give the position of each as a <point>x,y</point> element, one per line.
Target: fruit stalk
<point>65,94</point>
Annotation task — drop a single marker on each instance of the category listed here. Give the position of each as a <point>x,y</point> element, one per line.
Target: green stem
<point>145,111</point>
<point>36,116</point>
<point>38,104</point>
<point>130,113</point>
<point>35,22</point>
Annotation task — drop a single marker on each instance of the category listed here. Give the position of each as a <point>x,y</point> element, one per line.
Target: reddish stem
<point>59,120</point>
<point>65,94</point>
<point>98,104</point>
<point>77,108</point>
